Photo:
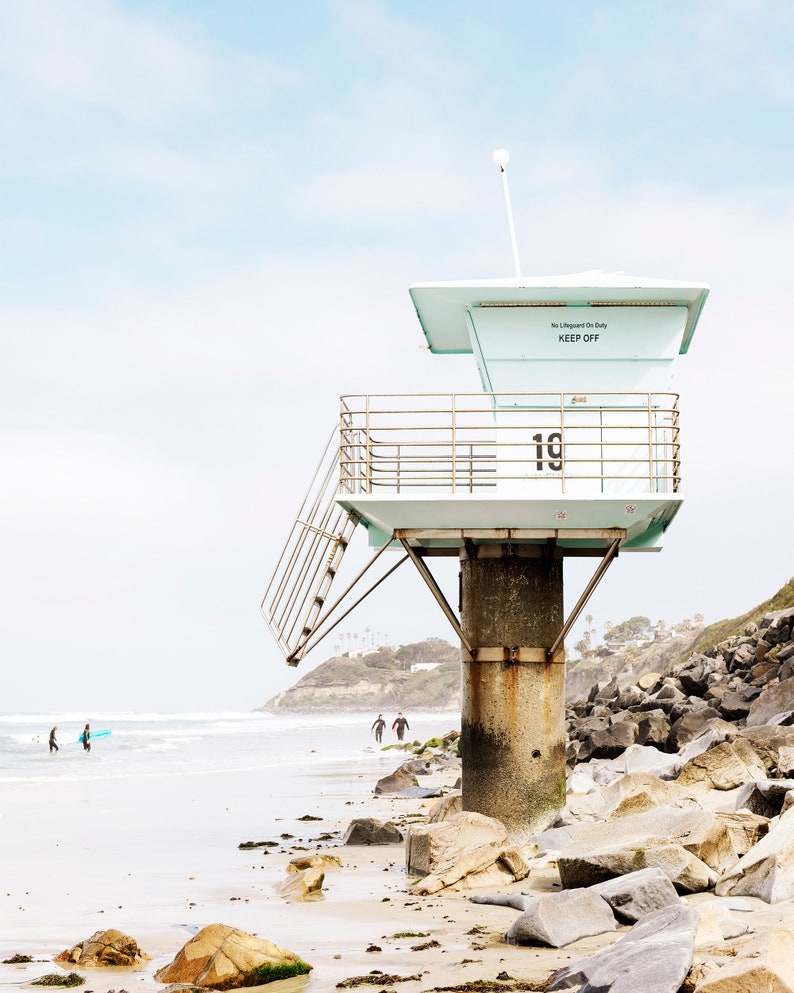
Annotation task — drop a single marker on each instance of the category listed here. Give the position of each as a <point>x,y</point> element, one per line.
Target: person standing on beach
<point>85,737</point>
<point>400,724</point>
<point>378,727</point>
<point>53,742</point>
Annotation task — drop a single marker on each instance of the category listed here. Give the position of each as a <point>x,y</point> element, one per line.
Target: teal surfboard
<point>94,735</point>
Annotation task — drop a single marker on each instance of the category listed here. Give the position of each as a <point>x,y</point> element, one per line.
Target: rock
<point>104,948</point>
<point>735,704</point>
<point>557,919</point>
<point>483,865</point>
<point>303,884</point>
<point>648,758</point>
<point>767,740</point>
<point>774,699</point>
<point>420,792</point>
<point>744,830</point>
<point>767,870</point>
<point>785,760</point>
<point>222,958</point>
<point>611,741</point>
<point>368,831</point>
<point>653,728</point>
<point>636,894</point>
<point>636,792</point>
<point>649,680</point>
<point>698,974</point>
<point>653,957</point>
<point>431,845</point>
<point>713,732</point>
<point>447,807</point>
<point>417,767</point>
<point>764,796</point>
<point>665,838</point>
<point>398,781</point>
<point>764,965</point>
<point>723,767</point>
<point>314,862</point>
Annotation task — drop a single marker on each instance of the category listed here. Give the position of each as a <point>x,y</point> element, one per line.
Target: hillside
<point>383,679</point>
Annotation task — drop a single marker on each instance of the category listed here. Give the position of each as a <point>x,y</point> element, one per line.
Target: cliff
<point>384,680</point>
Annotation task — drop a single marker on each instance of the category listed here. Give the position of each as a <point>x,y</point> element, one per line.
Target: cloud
<point>84,56</point>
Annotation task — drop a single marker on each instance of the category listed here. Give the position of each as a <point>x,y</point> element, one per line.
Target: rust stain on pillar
<point>512,720</point>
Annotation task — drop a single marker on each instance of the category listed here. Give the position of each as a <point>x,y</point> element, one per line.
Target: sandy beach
<point>153,851</point>
<point>143,835</point>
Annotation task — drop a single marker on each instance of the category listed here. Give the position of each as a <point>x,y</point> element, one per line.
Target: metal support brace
<point>610,554</point>
<point>434,588</point>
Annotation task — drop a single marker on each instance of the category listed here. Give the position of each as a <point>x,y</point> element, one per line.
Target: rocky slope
<point>383,679</point>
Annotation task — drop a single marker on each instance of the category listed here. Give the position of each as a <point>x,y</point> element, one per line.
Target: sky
<point>211,214</point>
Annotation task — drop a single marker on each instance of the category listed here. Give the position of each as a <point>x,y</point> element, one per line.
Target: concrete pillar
<point>512,716</point>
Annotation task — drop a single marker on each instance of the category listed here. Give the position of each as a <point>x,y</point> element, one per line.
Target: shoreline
<point>190,872</point>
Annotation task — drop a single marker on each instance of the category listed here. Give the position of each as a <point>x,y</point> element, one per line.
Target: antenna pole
<point>500,158</point>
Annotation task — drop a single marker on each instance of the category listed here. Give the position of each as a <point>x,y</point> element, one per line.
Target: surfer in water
<point>85,737</point>
<point>53,741</point>
<point>378,727</point>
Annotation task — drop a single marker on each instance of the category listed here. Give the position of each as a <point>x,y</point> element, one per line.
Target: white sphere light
<point>501,157</point>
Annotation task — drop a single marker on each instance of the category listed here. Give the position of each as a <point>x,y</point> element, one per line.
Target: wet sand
<point>161,866</point>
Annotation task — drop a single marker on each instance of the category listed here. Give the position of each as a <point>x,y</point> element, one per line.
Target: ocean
<point>143,832</point>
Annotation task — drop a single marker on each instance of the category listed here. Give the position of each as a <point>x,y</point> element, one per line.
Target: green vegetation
<point>258,844</point>
<point>59,979</point>
<point>380,681</point>
<point>272,973</point>
<point>376,978</point>
<point>406,934</point>
<point>722,630</point>
<point>18,960</point>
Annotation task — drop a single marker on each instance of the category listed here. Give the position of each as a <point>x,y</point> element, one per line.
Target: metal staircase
<point>298,590</point>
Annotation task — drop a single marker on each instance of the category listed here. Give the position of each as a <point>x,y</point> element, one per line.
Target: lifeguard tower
<point>572,449</point>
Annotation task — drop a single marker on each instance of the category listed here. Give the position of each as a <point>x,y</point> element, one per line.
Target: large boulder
<point>220,957</point>
<point>637,894</point>
<point>764,965</point>
<point>431,845</point>
<point>776,698</point>
<point>723,767</point>
<point>654,957</point>
<point>767,870</point>
<point>636,792</point>
<point>557,919</point>
<point>104,948</point>
<point>689,844</point>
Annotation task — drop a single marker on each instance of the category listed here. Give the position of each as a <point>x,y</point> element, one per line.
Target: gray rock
<point>636,894</point>
<point>767,870</point>
<point>689,726</point>
<point>689,844</point>
<point>764,796</point>
<point>776,698</point>
<point>398,781</point>
<point>368,831</point>
<point>557,919</point>
<point>654,957</point>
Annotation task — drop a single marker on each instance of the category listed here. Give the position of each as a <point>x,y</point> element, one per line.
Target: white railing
<point>517,444</point>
